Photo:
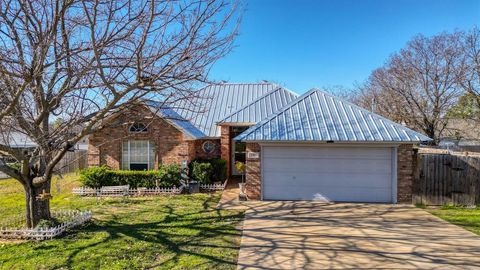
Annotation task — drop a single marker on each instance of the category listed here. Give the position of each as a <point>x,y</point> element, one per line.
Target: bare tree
<point>418,85</point>
<point>469,80</point>
<point>82,60</point>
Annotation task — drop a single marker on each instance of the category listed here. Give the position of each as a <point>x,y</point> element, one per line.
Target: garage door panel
<point>357,174</point>
<point>327,180</point>
<point>325,165</point>
<point>332,152</point>
<point>356,195</point>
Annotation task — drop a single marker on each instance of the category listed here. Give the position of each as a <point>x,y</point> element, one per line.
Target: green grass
<point>468,218</point>
<point>167,232</point>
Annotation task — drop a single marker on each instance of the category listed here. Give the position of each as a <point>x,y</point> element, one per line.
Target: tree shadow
<point>309,235</point>
<point>203,232</point>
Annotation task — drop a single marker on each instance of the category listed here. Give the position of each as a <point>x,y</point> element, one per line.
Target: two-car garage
<point>321,147</point>
<point>348,173</point>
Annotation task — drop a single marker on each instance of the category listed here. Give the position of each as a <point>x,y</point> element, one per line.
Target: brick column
<point>253,177</point>
<point>225,150</point>
<point>93,153</point>
<point>405,173</point>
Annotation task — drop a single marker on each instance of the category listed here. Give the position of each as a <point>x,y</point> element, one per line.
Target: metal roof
<point>178,121</point>
<point>262,107</point>
<point>16,139</point>
<point>214,102</point>
<point>319,116</point>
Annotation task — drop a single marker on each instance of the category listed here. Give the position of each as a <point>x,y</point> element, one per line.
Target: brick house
<point>312,147</point>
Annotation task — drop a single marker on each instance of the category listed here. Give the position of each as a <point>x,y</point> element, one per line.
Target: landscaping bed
<point>164,232</point>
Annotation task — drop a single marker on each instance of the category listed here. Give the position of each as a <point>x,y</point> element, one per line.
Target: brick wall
<point>197,149</point>
<point>225,150</point>
<point>172,146</point>
<point>253,180</point>
<point>405,167</point>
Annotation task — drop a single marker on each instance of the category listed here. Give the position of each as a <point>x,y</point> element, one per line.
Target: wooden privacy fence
<point>447,179</point>
<point>72,162</point>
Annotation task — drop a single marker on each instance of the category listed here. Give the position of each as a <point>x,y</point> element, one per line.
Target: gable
<point>319,116</point>
<point>145,113</point>
<point>212,103</point>
<point>262,107</point>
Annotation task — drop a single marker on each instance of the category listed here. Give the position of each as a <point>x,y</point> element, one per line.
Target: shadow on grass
<point>202,232</point>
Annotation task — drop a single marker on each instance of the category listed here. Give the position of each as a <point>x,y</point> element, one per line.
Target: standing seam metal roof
<point>214,102</point>
<point>262,107</point>
<point>319,116</point>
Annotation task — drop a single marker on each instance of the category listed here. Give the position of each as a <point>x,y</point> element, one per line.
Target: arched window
<point>138,127</point>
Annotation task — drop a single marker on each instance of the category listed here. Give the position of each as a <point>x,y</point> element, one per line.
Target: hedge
<point>166,176</point>
<point>208,170</point>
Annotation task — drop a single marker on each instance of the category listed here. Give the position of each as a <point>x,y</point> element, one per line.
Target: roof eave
<point>328,142</point>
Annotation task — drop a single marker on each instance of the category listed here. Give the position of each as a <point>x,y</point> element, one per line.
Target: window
<point>239,149</point>
<point>208,147</point>
<point>138,155</point>
<point>138,127</point>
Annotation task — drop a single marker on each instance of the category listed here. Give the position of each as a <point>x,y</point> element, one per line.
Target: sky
<point>328,43</point>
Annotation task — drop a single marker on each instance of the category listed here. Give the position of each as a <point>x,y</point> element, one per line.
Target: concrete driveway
<point>310,235</point>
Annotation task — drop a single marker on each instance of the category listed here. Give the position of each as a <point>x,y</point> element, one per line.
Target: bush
<point>219,169</point>
<point>201,172</point>
<point>170,175</point>
<point>208,170</point>
<point>95,177</point>
<point>166,176</point>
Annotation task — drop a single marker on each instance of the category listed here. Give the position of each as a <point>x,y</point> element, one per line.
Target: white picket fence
<point>212,186</point>
<point>122,192</point>
<point>102,192</point>
<point>74,218</point>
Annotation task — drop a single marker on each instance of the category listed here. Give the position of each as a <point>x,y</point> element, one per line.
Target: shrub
<point>170,175</point>
<point>201,171</point>
<point>208,170</point>
<point>219,169</point>
<point>95,177</point>
<point>166,176</point>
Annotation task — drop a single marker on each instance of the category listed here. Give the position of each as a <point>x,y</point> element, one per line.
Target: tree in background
<point>83,60</point>
<point>470,79</point>
<point>467,107</point>
<point>419,84</point>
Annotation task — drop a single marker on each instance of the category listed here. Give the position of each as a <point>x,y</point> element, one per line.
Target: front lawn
<point>168,232</point>
<point>468,218</point>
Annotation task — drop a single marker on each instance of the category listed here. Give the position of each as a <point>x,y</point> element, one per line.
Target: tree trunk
<point>37,208</point>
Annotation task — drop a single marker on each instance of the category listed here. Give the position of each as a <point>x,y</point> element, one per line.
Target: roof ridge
<point>284,108</point>
<point>309,93</point>
<point>242,83</point>
<point>362,109</point>
<point>256,100</point>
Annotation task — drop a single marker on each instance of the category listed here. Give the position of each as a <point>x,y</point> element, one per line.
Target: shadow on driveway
<point>312,235</point>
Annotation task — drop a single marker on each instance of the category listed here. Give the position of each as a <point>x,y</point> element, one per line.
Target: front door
<point>238,148</point>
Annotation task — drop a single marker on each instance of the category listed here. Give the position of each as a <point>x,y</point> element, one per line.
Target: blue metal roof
<point>214,102</point>
<point>179,122</point>
<point>319,116</point>
<point>262,107</point>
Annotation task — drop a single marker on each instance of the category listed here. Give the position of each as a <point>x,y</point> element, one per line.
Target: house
<point>310,147</point>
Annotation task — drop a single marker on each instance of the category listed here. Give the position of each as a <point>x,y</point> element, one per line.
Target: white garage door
<point>348,174</point>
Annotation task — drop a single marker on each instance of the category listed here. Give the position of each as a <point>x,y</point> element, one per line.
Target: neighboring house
<point>461,135</point>
<point>312,147</point>
<point>14,140</point>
